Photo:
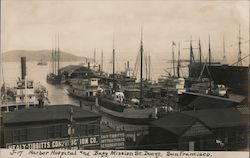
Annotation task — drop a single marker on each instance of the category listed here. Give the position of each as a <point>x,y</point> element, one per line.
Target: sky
<point>85,25</point>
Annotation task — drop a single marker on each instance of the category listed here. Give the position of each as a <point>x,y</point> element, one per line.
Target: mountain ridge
<point>38,55</point>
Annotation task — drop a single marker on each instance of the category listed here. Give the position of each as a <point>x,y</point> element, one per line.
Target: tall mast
<point>149,68</point>
<point>114,86</point>
<point>141,51</point>
<point>224,50</point>
<point>191,56</point>
<point>239,63</point>
<point>58,53</point>
<point>1,74</point>
<point>55,56</point>
<point>146,65</point>
<point>52,57</point>
<point>178,63</point>
<point>209,52</point>
<point>102,60</point>
<point>173,44</point>
<point>94,58</point>
<point>209,62</point>
<point>200,51</point>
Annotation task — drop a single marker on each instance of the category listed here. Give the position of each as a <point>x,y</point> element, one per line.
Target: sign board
<point>57,143</point>
<point>113,140</point>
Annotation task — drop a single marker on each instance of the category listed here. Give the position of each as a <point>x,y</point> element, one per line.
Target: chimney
<point>23,67</point>
<point>80,103</point>
<point>88,66</point>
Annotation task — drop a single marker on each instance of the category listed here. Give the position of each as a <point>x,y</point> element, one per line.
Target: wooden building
<point>210,129</point>
<point>50,127</point>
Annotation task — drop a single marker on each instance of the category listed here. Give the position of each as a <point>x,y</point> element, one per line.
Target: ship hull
<point>54,79</point>
<point>235,77</point>
<point>127,115</point>
<point>80,96</point>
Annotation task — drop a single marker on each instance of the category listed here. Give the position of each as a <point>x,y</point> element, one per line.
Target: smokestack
<point>23,67</point>
<point>88,66</point>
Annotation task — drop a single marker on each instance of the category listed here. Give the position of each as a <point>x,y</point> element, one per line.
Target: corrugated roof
<point>217,118</point>
<point>48,113</point>
<point>240,98</point>
<point>72,68</point>
<point>204,102</point>
<point>177,123</point>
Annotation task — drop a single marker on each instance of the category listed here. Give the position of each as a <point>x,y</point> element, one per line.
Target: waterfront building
<point>209,129</point>
<point>51,127</point>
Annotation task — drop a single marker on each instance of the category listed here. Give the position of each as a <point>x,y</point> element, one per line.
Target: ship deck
<point>130,113</point>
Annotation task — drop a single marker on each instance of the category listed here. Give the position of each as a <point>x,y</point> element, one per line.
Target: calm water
<point>57,94</point>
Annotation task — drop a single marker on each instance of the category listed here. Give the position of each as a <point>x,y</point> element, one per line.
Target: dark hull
<point>143,117</point>
<point>42,64</point>
<point>137,121</point>
<point>235,77</point>
<point>54,79</point>
<point>71,93</point>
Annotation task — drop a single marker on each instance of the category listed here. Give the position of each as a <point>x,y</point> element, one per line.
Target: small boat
<point>42,63</point>
<point>85,88</point>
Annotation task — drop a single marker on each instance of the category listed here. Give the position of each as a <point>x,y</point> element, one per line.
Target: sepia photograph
<point>122,76</point>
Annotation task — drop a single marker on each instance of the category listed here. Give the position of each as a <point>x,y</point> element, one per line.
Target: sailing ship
<point>172,84</point>
<point>55,77</point>
<point>217,78</point>
<point>86,82</point>
<point>134,110</point>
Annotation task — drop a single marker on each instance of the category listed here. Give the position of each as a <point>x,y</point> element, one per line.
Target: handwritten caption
<point>105,153</point>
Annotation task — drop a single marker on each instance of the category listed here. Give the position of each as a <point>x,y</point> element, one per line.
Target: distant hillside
<point>32,55</point>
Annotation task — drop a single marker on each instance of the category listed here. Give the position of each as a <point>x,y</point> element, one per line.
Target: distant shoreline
<point>40,55</point>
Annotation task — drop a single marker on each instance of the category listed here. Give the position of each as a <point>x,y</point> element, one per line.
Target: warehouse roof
<point>217,118</point>
<point>176,123</point>
<point>179,122</point>
<point>48,113</point>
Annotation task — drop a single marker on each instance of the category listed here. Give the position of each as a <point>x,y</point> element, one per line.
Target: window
<point>23,135</point>
<point>58,131</point>
<point>54,131</point>
<point>51,132</point>
<point>90,93</point>
<point>83,130</point>
<point>91,129</point>
<point>88,129</point>
<point>20,135</point>
<point>3,109</point>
